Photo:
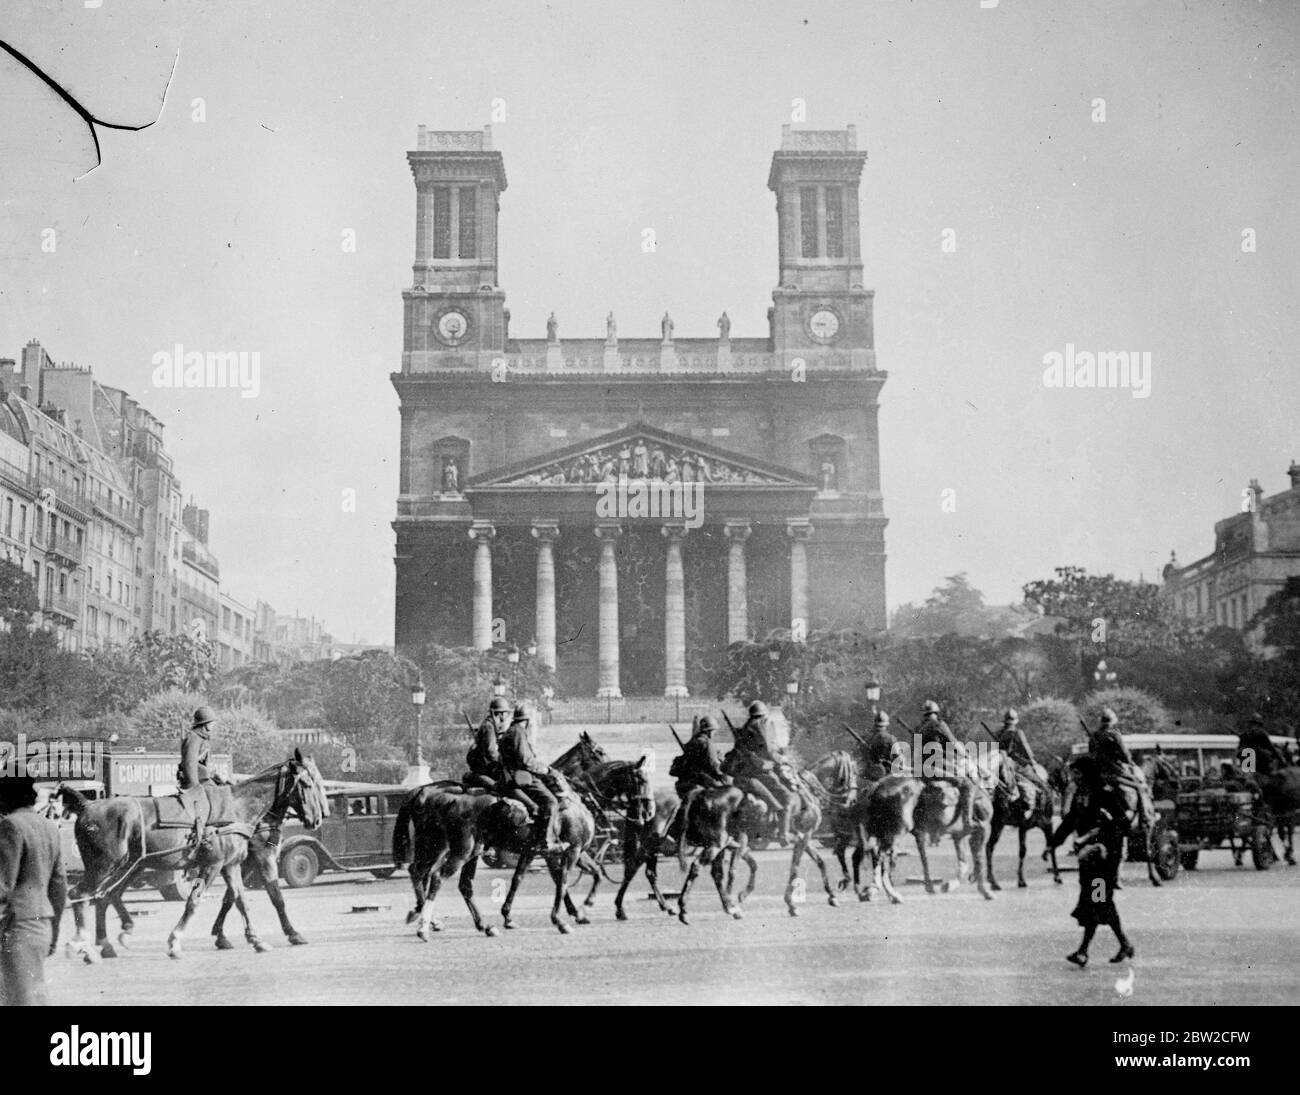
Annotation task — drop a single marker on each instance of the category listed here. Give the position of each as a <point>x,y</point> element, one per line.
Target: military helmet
<point>929,708</point>
<point>882,719</point>
<point>521,713</point>
<point>1108,717</point>
<point>203,716</point>
<point>1011,716</point>
<point>707,725</point>
<point>498,704</point>
<point>757,709</point>
<point>1256,719</point>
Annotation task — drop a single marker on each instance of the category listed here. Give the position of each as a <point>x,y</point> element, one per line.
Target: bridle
<point>284,801</point>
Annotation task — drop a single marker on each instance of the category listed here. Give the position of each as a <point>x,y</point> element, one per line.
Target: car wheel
<point>383,872</point>
<point>299,866</point>
<point>1166,853</point>
<point>1189,859</point>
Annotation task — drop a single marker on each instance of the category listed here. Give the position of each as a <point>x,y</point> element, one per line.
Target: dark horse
<point>119,839</point>
<point>1040,815</point>
<point>443,828</point>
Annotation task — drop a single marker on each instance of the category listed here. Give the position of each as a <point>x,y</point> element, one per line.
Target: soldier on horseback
<point>934,730</point>
<point>526,779</point>
<point>1256,751</point>
<point>1114,764</point>
<point>756,763</point>
<point>699,768</point>
<point>193,773</point>
<point>878,756</point>
<point>1012,741</point>
<point>484,757</point>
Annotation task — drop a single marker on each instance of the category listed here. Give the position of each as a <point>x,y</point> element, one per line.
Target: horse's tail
<point>402,833</point>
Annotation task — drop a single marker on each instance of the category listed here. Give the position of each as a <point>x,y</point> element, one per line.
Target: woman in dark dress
<point>1100,851</point>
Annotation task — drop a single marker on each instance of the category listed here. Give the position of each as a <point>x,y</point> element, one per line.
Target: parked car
<point>357,835</point>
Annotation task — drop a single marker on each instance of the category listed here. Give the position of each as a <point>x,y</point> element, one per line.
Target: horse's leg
<point>719,873</point>
<point>271,880</point>
<point>207,874</point>
<point>127,923</point>
<point>964,868</point>
<point>525,858</point>
<point>651,858</point>
<point>859,852</point>
<point>1023,830</point>
<point>748,856</point>
<point>978,836</point>
<point>559,875</point>
<point>467,874</point>
<point>995,832</point>
<point>432,881</point>
<point>576,855</point>
<point>631,864</point>
<point>883,869</point>
<point>692,873</point>
<point>588,864</point>
<point>841,846</point>
<point>820,861</point>
<point>234,876</point>
<point>921,838</point>
<point>219,925</point>
<point>1046,825</point>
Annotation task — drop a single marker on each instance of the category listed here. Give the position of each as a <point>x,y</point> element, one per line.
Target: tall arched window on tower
<point>828,456</point>
<point>808,222</point>
<point>468,223</point>
<point>834,197</point>
<point>441,223</point>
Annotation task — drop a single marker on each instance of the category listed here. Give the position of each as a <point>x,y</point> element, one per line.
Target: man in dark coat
<point>484,757</point>
<point>33,891</point>
<point>934,730</point>
<point>525,775</point>
<point>754,764</point>
<point>697,769</point>
<point>878,756</point>
<point>1256,751</point>
<point>1115,763</point>
<point>193,772</point>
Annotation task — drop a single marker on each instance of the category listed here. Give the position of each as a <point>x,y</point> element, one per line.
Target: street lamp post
<point>513,659</point>
<point>873,697</point>
<point>774,656</point>
<point>1102,674</point>
<point>792,690</point>
<point>418,774</point>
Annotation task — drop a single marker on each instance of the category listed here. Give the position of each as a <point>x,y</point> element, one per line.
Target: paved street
<point>1217,936</point>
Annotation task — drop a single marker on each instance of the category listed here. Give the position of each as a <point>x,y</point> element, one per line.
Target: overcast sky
<point>1122,234</point>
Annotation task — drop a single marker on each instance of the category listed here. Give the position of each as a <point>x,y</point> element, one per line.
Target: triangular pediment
<point>641,452</point>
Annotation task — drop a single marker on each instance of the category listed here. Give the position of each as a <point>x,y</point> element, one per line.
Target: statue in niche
<point>829,478</point>
<point>611,329</point>
<point>640,460</point>
<point>450,475</point>
<point>724,328</point>
<point>666,325</point>
<point>552,328</point>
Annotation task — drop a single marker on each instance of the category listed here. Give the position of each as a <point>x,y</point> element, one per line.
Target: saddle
<point>215,806</point>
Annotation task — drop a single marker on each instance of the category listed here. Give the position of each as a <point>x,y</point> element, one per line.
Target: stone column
<point>737,532</point>
<point>482,533</point>
<point>798,531</point>
<point>674,615</point>
<point>608,686</point>
<point>545,535</point>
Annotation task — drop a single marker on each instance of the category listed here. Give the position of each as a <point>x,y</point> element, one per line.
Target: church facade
<point>632,505</point>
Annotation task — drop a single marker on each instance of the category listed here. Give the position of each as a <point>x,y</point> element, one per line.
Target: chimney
<point>202,533</point>
<point>8,375</point>
<point>1258,492</point>
<point>1294,472</point>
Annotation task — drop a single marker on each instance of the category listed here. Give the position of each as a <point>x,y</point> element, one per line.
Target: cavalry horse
<point>121,838</point>
<point>1281,792</point>
<point>645,828</point>
<point>1035,808</point>
<point>928,809</point>
<point>444,827</point>
<point>729,818</point>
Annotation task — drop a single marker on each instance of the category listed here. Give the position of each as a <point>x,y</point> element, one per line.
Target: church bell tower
<point>820,305</point>
<point>455,311</point>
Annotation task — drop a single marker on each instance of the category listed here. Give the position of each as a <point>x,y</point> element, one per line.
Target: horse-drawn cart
<point>1206,817</point>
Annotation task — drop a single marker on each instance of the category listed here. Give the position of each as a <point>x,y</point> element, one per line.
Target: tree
<point>954,608</point>
<point>1052,727</point>
<point>1139,712</point>
<point>18,601</point>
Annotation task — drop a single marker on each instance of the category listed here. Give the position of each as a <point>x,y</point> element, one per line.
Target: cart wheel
<point>1261,847</point>
<point>1188,859</point>
<point>1165,852</point>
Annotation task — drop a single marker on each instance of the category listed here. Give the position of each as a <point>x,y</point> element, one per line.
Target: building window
<point>9,516</point>
<point>808,222</point>
<point>834,222</point>
<point>441,223</point>
<point>468,223</point>
<point>22,522</point>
